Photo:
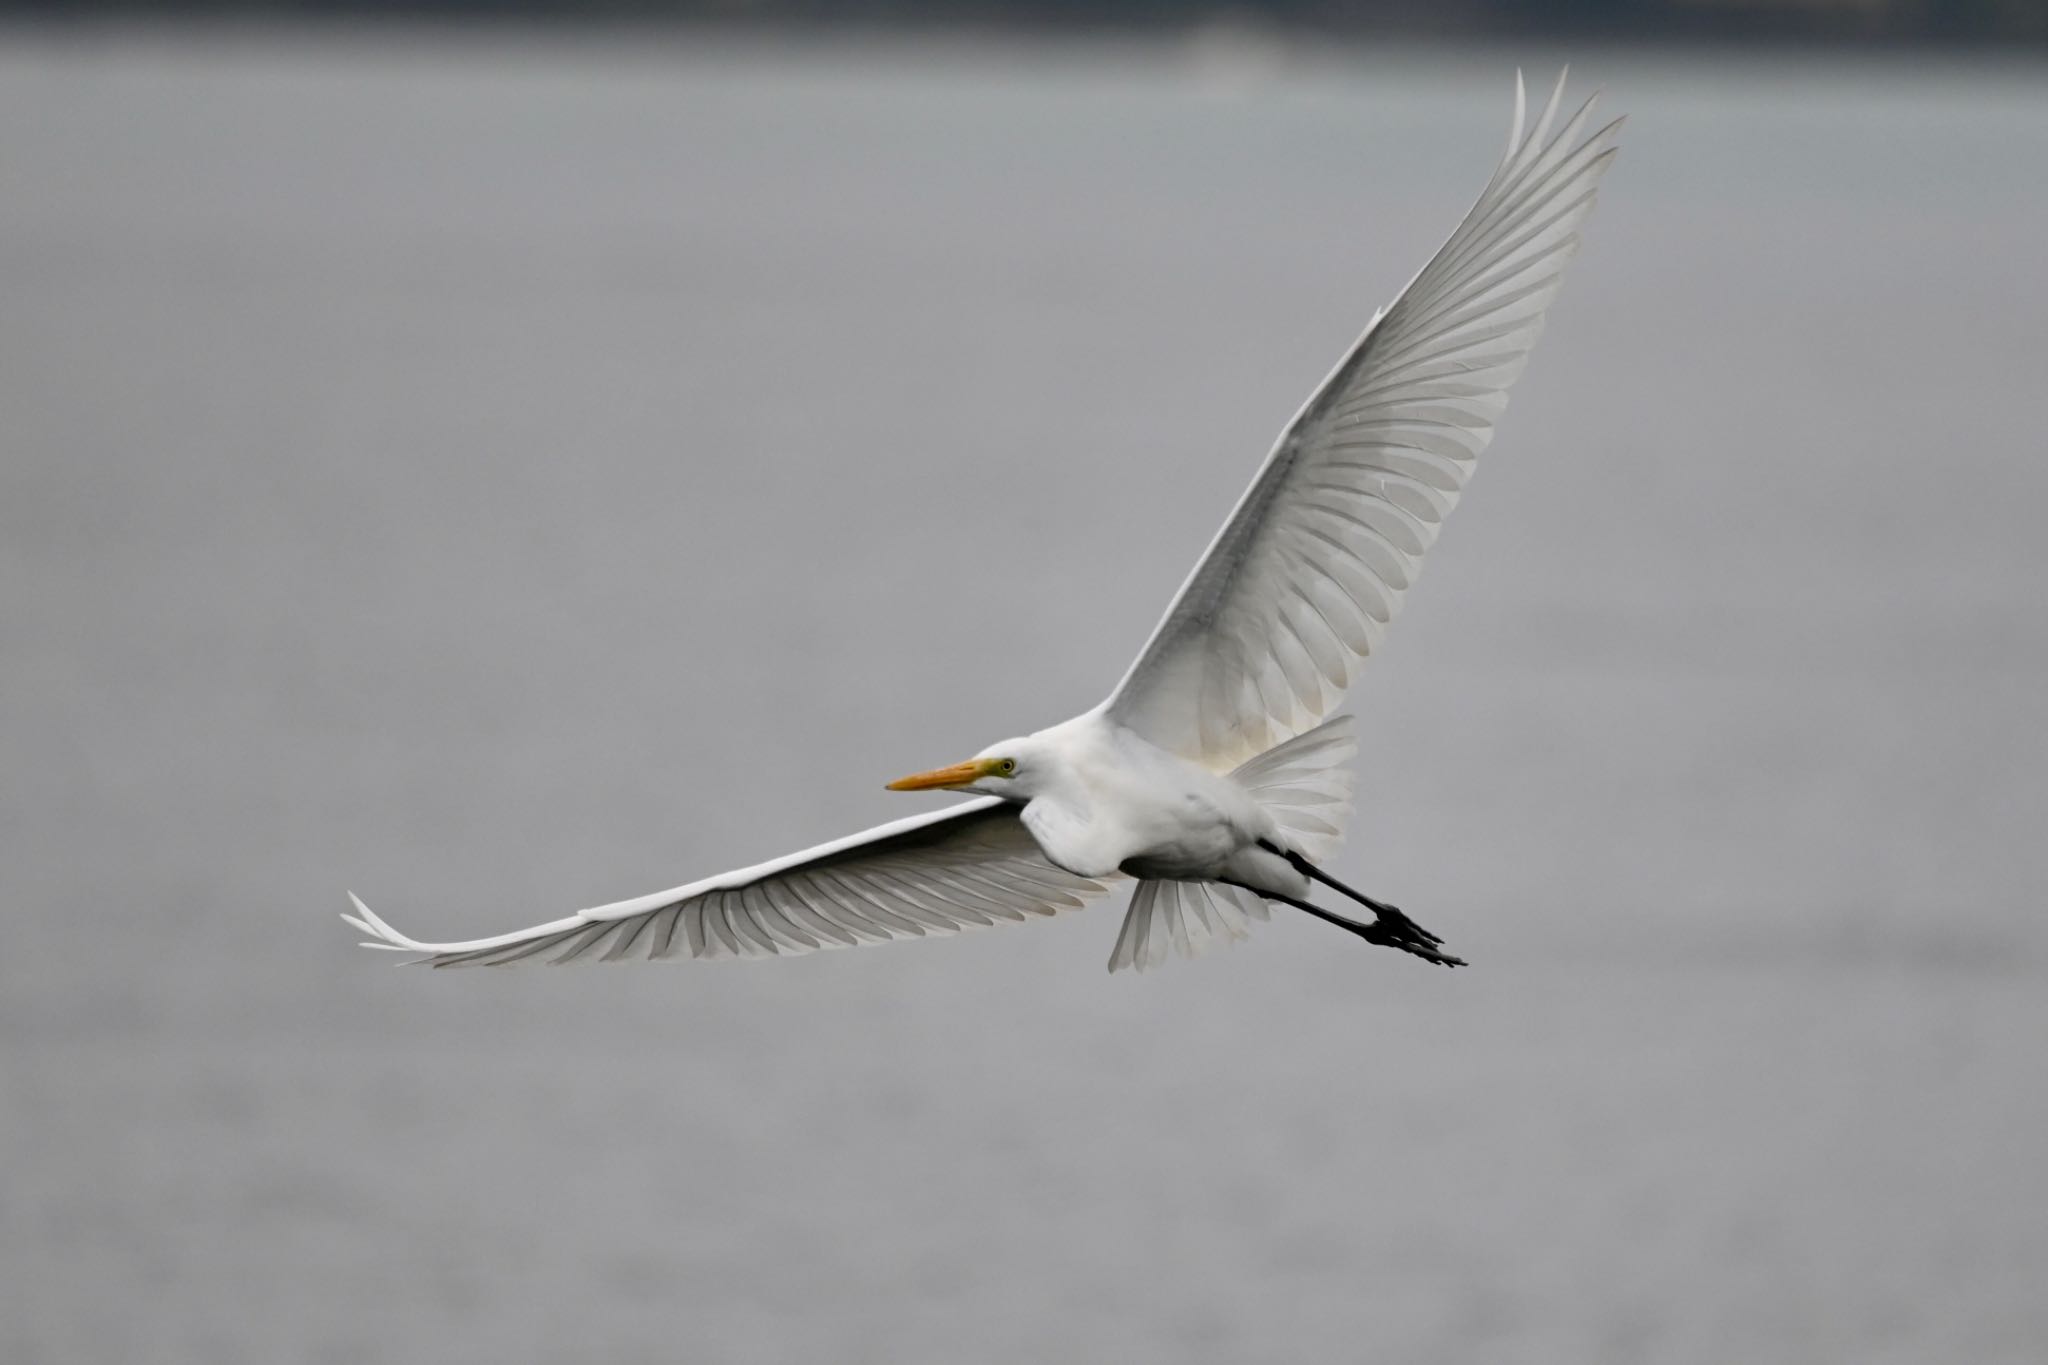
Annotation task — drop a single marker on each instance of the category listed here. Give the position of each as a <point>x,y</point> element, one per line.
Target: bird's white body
<point>1111,801</point>
<point>1215,772</point>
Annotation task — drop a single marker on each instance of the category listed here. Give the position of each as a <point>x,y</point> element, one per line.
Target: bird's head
<point>1007,769</point>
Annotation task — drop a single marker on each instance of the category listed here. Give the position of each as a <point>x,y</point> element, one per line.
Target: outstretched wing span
<point>961,868</point>
<point>1304,578</point>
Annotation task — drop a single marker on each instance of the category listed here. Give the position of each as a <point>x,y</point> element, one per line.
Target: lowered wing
<point>1305,577</point>
<point>965,867</point>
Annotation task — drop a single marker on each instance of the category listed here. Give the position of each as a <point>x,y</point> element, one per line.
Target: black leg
<point>1397,932</point>
<point>1389,913</point>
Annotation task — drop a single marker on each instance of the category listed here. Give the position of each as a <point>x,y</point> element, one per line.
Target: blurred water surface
<point>503,479</point>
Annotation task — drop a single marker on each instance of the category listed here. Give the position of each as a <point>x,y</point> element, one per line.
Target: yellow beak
<point>959,775</point>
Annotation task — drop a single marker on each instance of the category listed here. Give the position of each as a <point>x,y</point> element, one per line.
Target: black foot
<point>1401,929</point>
<point>1395,930</point>
<point>1391,928</point>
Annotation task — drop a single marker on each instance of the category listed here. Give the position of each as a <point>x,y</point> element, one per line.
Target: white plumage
<point>1205,773</point>
<point>1306,575</point>
<point>963,868</point>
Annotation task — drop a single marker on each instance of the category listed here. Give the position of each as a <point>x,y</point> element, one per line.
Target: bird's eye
<point>1008,767</point>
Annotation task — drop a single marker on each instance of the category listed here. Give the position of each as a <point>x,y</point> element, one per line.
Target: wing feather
<point>967,867</point>
<point>1312,567</point>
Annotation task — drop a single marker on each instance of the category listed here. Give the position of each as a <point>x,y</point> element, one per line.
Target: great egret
<point>1209,773</point>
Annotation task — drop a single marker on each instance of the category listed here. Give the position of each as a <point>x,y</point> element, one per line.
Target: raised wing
<point>1306,575</point>
<point>961,868</point>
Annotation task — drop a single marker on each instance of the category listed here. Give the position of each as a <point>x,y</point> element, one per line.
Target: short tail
<point>1184,917</point>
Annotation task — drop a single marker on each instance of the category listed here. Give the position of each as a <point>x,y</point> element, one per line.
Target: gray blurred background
<point>502,470</point>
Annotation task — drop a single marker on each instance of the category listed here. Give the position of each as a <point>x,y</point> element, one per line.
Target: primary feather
<point>963,868</point>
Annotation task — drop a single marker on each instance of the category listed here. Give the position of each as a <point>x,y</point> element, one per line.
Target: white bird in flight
<point>1210,773</point>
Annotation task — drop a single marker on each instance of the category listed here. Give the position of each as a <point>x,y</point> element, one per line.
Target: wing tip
<point>382,936</point>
